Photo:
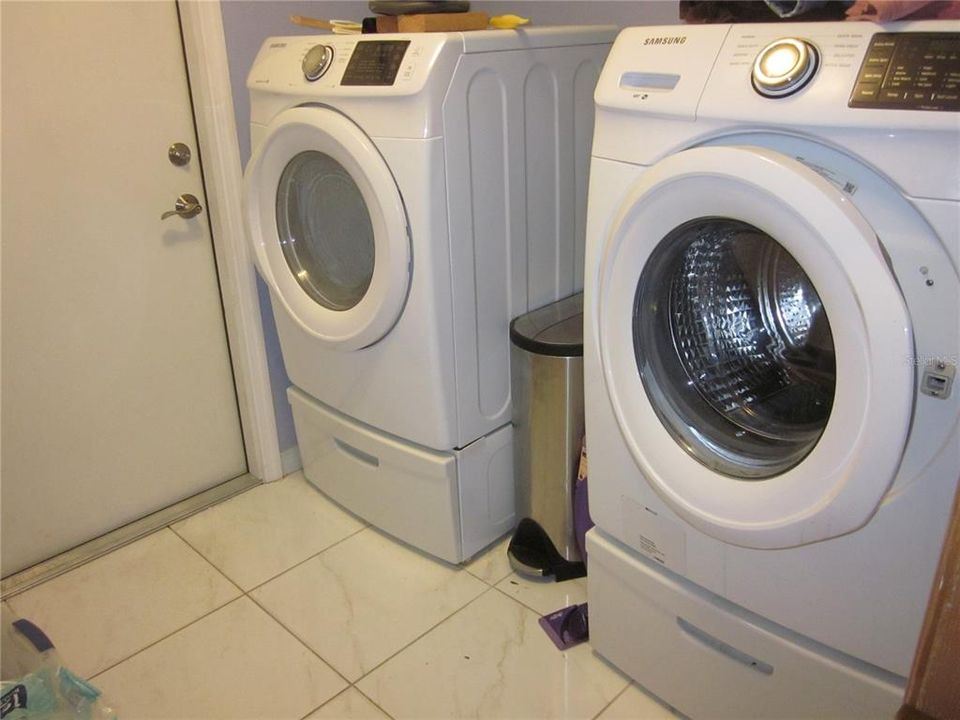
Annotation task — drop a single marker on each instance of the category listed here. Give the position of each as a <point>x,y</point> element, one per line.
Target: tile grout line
<point>537,613</point>
<point>521,602</point>
<point>302,642</point>
<point>206,559</point>
<point>353,684</point>
<point>420,636</point>
<point>373,702</point>
<point>324,703</point>
<point>389,657</point>
<point>306,560</point>
<point>612,701</point>
<point>483,580</point>
<point>165,637</point>
<point>243,594</point>
<point>345,690</point>
<point>180,627</point>
<point>325,662</point>
<point>248,594</point>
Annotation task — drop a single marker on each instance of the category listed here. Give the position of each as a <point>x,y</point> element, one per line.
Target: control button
<point>784,66</point>
<point>949,97</point>
<point>317,61</point>
<point>878,60</point>
<point>893,96</point>
<point>866,91</point>
<point>871,76</point>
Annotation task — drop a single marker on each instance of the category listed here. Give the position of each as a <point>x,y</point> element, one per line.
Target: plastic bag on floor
<point>34,685</point>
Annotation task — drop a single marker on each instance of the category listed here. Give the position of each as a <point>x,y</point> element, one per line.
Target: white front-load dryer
<point>772,328</point>
<point>407,196</point>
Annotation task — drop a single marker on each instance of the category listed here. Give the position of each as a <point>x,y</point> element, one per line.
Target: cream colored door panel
<point>118,396</point>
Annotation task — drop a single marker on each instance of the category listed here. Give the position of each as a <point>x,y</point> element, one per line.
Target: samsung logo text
<point>675,40</point>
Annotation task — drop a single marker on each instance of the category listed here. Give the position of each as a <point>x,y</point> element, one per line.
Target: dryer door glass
<point>734,348</point>
<point>325,230</point>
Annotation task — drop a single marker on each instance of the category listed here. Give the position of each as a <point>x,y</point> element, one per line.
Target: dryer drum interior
<point>325,230</point>
<point>734,348</point>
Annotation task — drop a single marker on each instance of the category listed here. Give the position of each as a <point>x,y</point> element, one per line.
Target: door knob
<point>187,206</point>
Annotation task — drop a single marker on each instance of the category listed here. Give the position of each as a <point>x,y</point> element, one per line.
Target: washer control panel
<point>910,71</point>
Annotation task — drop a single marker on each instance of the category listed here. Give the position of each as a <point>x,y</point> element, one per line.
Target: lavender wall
<point>247,23</point>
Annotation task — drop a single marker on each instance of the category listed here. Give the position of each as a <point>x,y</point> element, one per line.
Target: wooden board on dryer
<point>432,22</point>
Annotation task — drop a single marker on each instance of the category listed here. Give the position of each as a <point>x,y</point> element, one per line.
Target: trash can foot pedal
<point>532,552</point>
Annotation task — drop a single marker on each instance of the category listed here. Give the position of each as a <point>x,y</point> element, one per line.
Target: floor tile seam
<point>166,637</point>
<point>534,610</point>
<point>539,615</point>
<point>612,701</point>
<point>207,560</point>
<point>302,642</point>
<point>347,689</point>
<point>306,560</point>
<point>372,701</point>
<point>484,580</point>
<point>419,637</point>
<point>396,652</point>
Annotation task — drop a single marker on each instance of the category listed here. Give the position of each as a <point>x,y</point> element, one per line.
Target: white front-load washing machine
<point>771,338</point>
<point>407,196</point>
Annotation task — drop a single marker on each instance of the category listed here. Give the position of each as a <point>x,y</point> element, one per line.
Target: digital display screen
<point>375,62</point>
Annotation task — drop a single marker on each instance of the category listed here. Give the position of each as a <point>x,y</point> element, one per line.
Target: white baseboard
<point>290,460</point>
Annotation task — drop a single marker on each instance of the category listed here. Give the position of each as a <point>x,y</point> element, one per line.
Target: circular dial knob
<point>317,61</point>
<point>784,66</point>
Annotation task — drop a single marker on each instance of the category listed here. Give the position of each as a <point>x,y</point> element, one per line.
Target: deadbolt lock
<point>179,154</point>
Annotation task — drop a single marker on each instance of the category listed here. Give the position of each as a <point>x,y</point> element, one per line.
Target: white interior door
<point>117,390</point>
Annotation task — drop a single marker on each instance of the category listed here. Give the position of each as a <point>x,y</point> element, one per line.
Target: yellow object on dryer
<point>507,22</point>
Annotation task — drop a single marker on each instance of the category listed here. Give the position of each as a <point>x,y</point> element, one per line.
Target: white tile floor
<point>278,604</point>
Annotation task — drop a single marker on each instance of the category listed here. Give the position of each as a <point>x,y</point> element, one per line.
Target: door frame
<point>208,71</point>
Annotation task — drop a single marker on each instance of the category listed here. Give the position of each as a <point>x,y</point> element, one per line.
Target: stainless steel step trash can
<point>546,368</point>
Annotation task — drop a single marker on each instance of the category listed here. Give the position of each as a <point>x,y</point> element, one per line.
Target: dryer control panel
<point>910,71</point>
<point>375,62</point>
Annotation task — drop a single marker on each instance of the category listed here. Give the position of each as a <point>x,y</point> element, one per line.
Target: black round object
<point>417,7</point>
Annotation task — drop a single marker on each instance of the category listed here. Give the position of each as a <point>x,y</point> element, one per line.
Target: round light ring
<point>784,66</point>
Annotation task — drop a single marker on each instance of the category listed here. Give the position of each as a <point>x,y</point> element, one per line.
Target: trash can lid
<point>555,329</point>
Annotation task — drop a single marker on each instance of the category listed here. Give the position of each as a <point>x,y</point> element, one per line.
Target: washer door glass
<point>325,230</point>
<point>734,348</point>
